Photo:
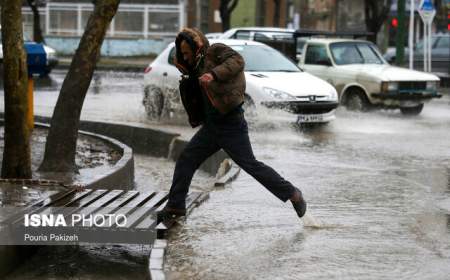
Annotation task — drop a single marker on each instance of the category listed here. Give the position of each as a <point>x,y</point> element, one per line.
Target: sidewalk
<point>132,64</point>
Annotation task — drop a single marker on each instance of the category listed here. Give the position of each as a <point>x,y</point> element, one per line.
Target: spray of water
<point>311,222</point>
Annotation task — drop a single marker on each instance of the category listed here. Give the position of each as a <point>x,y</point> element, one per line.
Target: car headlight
<point>278,94</point>
<point>389,86</point>
<point>333,96</point>
<point>432,85</point>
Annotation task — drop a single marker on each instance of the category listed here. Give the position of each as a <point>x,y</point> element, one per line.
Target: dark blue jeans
<point>231,135</point>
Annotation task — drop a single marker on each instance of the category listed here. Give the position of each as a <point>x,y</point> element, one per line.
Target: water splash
<point>311,222</point>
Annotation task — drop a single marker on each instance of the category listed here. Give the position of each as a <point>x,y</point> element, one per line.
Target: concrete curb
<point>149,141</point>
<point>121,175</point>
<point>111,67</point>
<point>141,139</point>
<point>156,260</point>
<point>160,245</point>
<point>230,175</point>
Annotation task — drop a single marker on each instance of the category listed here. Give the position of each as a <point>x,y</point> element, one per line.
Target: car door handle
<point>165,74</point>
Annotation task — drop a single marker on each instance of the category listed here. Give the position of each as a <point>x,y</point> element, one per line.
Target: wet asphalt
<point>377,184</point>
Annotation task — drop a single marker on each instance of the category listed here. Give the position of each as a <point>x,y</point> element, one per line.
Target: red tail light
<point>148,69</point>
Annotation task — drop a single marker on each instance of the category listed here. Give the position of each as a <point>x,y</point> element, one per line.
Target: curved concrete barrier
<point>127,138</point>
<point>145,140</point>
<point>120,176</point>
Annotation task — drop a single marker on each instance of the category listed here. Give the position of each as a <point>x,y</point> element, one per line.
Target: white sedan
<point>273,81</point>
<point>364,79</point>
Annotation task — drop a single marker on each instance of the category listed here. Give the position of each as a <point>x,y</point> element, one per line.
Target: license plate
<point>309,118</point>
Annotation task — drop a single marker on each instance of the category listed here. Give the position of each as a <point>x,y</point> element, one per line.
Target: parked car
<point>364,79</point>
<point>52,58</point>
<point>273,81</point>
<point>440,54</point>
<point>214,35</point>
<point>249,33</point>
<point>269,36</point>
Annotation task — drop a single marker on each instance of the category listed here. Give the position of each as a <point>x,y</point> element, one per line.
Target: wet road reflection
<point>373,182</point>
<point>448,222</point>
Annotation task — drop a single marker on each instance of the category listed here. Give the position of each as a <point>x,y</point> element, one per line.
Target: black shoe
<point>170,213</point>
<point>300,205</point>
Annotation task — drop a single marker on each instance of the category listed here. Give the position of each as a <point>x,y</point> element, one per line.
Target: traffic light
<point>394,22</point>
<point>448,22</point>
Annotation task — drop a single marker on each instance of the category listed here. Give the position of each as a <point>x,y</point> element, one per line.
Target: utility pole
<point>401,31</point>
<point>411,34</point>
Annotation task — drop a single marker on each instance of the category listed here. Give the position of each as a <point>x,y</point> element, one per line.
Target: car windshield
<point>355,53</point>
<point>264,59</point>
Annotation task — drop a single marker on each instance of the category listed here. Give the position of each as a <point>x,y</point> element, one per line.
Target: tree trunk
<point>37,31</point>
<point>225,22</point>
<point>276,13</point>
<point>376,13</point>
<point>401,32</point>
<point>16,154</point>
<point>226,8</point>
<point>60,147</point>
<point>224,16</point>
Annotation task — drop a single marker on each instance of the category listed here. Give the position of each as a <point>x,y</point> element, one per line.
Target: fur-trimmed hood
<point>225,91</point>
<point>197,41</point>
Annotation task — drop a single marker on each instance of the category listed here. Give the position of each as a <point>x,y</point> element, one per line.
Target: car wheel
<point>249,105</point>
<point>153,102</point>
<point>356,101</point>
<point>412,111</point>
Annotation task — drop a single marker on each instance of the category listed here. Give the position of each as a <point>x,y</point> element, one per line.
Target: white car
<point>271,36</point>
<point>364,79</point>
<point>273,81</point>
<point>214,35</point>
<point>249,33</point>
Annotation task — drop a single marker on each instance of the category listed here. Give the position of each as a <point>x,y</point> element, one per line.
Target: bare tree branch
<point>376,13</point>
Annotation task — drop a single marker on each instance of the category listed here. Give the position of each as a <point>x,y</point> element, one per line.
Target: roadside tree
<point>376,13</point>
<point>60,147</point>
<point>226,9</point>
<point>16,154</point>
<point>37,30</point>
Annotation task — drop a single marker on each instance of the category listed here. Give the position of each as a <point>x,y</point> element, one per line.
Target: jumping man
<point>212,91</point>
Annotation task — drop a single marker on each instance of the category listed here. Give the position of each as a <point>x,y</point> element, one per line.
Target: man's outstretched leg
<point>236,143</point>
<point>200,147</point>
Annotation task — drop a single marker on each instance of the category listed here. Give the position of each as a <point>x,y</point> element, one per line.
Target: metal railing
<point>131,20</point>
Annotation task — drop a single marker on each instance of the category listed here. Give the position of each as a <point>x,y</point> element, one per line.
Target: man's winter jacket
<point>225,92</point>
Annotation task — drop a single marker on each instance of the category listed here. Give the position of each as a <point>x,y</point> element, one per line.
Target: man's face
<point>188,54</point>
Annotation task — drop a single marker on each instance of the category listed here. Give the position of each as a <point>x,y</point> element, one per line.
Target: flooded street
<point>378,191</point>
<point>377,186</point>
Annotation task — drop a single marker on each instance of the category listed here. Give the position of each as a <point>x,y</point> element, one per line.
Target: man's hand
<point>205,79</point>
